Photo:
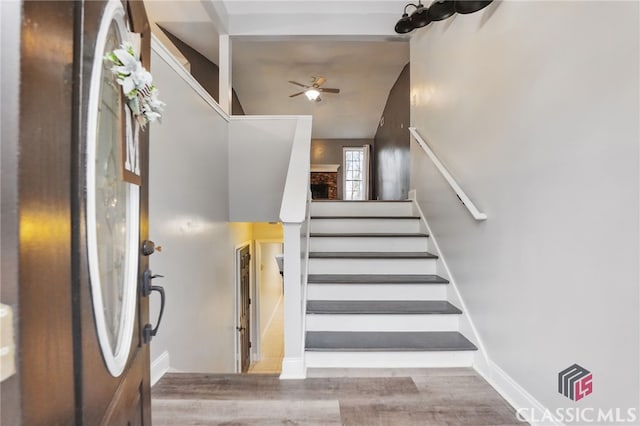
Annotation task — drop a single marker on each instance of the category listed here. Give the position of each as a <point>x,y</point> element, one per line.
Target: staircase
<point>374,298</point>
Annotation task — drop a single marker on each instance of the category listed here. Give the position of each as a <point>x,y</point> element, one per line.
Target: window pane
<point>354,174</point>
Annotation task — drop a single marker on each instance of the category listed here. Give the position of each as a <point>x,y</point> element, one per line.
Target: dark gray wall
<point>206,72</point>
<point>391,156</point>
<point>329,151</point>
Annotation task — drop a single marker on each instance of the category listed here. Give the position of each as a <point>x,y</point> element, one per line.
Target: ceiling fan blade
<point>319,81</point>
<point>299,84</point>
<point>296,94</point>
<point>327,90</point>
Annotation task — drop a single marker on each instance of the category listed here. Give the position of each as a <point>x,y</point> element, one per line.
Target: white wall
<point>188,211</point>
<point>259,150</point>
<point>269,283</point>
<point>209,176</point>
<point>533,106</point>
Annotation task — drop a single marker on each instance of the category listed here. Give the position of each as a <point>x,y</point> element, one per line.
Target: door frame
<point>237,349</point>
<point>366,169</point>
<point>255,307</point>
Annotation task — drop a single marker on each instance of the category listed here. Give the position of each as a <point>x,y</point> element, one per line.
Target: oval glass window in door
<point>112,203</point>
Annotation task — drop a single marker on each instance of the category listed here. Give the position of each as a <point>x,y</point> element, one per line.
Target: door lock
<point>149,247</point>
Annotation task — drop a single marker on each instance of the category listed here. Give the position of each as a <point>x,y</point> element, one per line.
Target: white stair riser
<point>382,226</point>
<point>388,244</point>
<point>377,292</point>
<point>434,359</point>
<point>341,208</point>
<point>372,266</point>
<point>381,322</point>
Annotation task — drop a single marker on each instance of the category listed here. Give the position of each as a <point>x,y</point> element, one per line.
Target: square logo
<point>575,382</point>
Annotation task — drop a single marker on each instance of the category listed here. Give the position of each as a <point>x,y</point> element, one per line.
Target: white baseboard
<point>159,367</point>
<point>521,400</point>
<point>293,368</point>
<point>530,408</point>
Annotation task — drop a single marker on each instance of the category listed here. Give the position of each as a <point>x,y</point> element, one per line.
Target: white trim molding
<point>325,168</point>
<point>185,75</point>
<point>115,358</point>
<point>159,367</point>
<point>293,369</point>
<point>506,386</point>
<point>466,323</point>
<point>522,401</point>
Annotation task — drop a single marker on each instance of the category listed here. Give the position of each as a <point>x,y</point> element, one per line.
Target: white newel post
<point>295,215</point>
<point>293,362</point>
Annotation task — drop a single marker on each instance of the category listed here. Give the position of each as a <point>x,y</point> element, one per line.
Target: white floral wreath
<point>142,96</point>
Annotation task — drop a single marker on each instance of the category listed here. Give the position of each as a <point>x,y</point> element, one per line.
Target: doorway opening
<point>269,309</point>
<point>259,299</point>
<point>356,172</point>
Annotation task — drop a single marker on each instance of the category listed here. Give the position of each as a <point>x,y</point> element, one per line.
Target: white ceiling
<point>363,67</point>
<point>363,71</point>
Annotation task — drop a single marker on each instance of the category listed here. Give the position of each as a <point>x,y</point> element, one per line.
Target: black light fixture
<point>438,11</point>
<point>441,9</point>
<point>470,6</point>
<point>418,19</point>
<point>404,25</point>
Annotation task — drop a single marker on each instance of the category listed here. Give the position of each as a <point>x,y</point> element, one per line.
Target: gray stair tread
<point>370,235</point>
<point>381,307</point>
<point>367,217</point>
<point>371,255</point>
<point>387,341</point>
<point>375,279</point>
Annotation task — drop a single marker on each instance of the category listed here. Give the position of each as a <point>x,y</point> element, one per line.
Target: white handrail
<point>294,198</point>
<point>477,214</point>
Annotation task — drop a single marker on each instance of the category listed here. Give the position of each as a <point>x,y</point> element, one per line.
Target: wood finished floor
<point>272,349</point>
<point>405,397</point>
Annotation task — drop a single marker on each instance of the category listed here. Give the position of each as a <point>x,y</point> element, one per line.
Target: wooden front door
<point>244,317</point>
<point>75,226</point>
<point>110,224</point>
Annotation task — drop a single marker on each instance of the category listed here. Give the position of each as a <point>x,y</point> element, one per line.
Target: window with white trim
<point>356,172</point>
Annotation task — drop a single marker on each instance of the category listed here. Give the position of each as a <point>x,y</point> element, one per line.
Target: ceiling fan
<point>313,92</point>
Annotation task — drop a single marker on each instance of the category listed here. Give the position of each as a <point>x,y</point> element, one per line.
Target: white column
<point>224,65</point>
<point>293,362</point>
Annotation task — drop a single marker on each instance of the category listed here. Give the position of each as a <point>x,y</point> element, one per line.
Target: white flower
<point>136,84</point>
<point>155,103</point>
<point>132,73</point>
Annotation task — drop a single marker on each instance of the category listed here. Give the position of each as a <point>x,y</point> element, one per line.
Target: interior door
<point>109,225</point>
<point>245,301</point>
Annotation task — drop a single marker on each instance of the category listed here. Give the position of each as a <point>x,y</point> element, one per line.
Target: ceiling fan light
<point>312,94</point>
<point>420,17</point>
<point>404,25</point>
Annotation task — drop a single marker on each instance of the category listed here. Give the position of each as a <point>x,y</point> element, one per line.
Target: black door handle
<point>149,332</point>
